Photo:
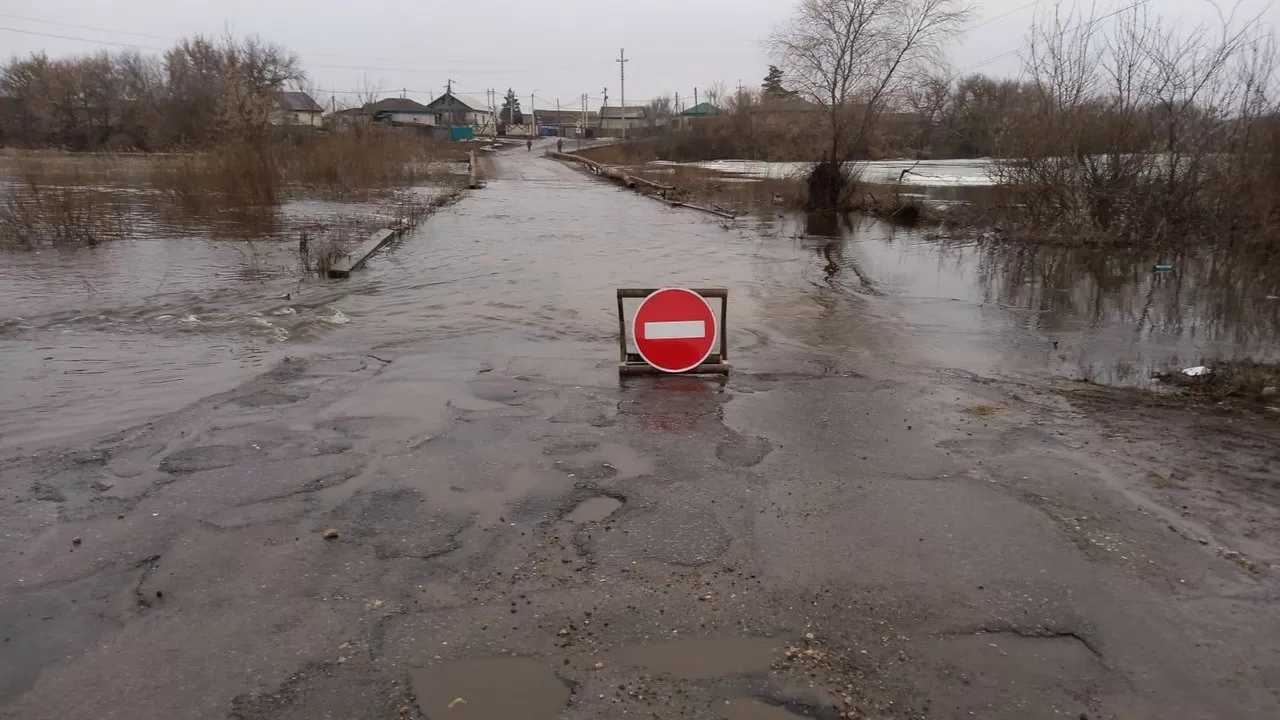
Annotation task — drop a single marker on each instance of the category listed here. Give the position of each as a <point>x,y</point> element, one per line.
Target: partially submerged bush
<point>36,212</point>
<point>367,158</point>
<point>260,172</point>
<point>1146,136</point>
<point>238,175</point>
<point>326,253</point>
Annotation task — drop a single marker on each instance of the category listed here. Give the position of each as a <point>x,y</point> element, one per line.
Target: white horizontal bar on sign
<point>675,330</point>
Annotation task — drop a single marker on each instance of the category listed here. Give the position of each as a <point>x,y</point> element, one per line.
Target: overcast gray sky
<point>557,49</point>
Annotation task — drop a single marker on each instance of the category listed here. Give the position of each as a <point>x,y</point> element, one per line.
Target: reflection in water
<point>1104,315</point>
<point>826,224</point>
<point>834,228</point>
<point>1209,296</point>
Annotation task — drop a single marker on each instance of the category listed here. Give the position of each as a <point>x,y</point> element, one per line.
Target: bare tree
<point>368,91</point>
<point>928,97</point>
<point>256,72</point>
<point>850,57</point>
<point>1143,132</point>
<point>659,109</point>
<point>715,93</point>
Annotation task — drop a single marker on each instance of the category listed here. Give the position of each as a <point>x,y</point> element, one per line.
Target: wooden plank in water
<point>358,256</point>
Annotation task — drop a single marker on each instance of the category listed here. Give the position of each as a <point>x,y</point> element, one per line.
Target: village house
<point>697,113</point>
<point>446,115</point>
<point>401,111</point>
<point>346,118</point>
<point>701,110</point>
<point>566,122</point>
<point>613,120</point>
<point>296,108</point>
<point>453,111</point>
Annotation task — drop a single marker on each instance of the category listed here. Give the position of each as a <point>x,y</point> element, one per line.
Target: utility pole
<point>622,77</point>
<point>582,125</point>
<point>533,119</point>
<point>695,96</point>
<point>448,87</point>
<point>559,122</point>
<point>600,120</point>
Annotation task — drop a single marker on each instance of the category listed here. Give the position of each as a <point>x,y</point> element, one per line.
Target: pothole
<point>702,658</point>
<point>490,688</point>
<point>594,509</point>
<point>751,709</point>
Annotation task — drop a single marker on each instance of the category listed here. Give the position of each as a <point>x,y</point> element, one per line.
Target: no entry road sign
<point>674,330</point>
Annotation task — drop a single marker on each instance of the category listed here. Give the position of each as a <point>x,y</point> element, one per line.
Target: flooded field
<point>183,306</point>
<point>179,312</point>
<point>1081,313</point>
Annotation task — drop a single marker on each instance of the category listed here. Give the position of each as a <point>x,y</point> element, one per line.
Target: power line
<point>80,39</point>
<point>91,28</point>
<point>441,70</point>
<point>1001,16</point>
<point>85,27</point>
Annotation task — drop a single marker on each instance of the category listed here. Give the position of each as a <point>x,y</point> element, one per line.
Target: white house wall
<point>414,118</point>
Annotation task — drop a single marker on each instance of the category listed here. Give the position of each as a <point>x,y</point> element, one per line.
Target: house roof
<point>618,113</point>
<point>297,102</point>
<point>702,108</point>
<point>452,102</point>
<point>563,117</point>
<point>399,105</point>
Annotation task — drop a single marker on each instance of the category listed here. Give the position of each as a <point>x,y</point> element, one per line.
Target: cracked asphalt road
<point>830,532</point>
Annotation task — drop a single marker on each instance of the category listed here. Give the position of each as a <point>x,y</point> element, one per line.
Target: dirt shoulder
<point>1214,464</point>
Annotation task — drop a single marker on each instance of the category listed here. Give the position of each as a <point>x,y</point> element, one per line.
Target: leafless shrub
<point>239,174</point>
<point>1140,133</point>
<point>38,211</point>
<point>260,172</point>
<point>326,254</point>
<point>367,158</point>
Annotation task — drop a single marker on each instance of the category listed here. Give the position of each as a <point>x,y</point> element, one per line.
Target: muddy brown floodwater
<point>77,324</point>
<point>424,492</point>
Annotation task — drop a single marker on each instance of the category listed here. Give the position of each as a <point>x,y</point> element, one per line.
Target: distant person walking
<point>528,144</point>
<point>560,145</point>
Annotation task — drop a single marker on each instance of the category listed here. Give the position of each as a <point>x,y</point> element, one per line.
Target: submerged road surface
<point>455,509</point>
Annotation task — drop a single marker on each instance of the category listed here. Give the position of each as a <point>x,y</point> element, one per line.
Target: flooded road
<point>451,495</point>
<point>76,326</point>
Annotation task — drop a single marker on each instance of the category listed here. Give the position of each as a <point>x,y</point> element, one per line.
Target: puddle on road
<point>489,689</point>
<point>701,659</point>
<point>594,509</point>
<point>747,709</point>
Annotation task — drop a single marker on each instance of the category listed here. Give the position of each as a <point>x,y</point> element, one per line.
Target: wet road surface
<point>840,529</point>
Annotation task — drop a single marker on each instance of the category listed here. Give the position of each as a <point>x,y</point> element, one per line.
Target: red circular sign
<point>674,329</point>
